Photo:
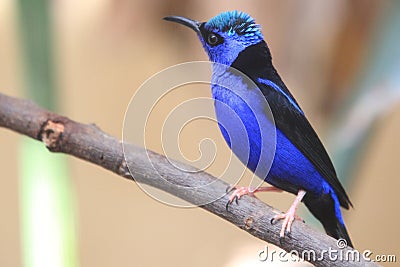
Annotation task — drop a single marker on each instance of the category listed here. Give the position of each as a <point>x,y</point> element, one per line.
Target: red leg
<point>238,192</point>
<point>290,215</point>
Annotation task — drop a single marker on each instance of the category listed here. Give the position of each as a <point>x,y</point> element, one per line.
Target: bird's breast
<point>242,114</point>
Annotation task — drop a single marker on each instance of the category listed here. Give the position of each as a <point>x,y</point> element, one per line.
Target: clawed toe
<point>286,224</point>
<point>289,217</point>
<point>238,192</point>
<point>235,198</point>
<point>229,189</point>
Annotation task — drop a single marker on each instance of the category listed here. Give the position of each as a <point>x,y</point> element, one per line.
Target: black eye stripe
<point>205,33</point>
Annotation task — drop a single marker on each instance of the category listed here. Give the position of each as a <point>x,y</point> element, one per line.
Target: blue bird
<point>300,164</point>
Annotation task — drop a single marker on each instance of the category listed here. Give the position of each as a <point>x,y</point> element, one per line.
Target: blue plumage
<point>234,22</point>
<point>279,90</point>
<point>283,149</point>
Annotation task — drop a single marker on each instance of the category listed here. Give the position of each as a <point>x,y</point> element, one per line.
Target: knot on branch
<point>248,223</point>
<point>51,134</point>
<point>123,169</point>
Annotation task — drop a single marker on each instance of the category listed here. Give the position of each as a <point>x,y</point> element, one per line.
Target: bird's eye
<point>212,39</point>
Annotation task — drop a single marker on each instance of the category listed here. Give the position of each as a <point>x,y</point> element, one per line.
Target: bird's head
<point>224,36</point>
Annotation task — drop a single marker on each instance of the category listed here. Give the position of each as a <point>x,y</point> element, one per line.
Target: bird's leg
<point>239,191</point>
<point>290,215</point>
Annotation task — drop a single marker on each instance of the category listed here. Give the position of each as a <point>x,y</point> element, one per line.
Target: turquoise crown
<point>234,22</point>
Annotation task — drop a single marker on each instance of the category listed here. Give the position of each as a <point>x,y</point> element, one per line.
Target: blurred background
<point>85,60</point>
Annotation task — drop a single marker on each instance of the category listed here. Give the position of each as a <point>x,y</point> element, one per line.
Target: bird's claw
<point>229,189</point>
<point>282,238</point>
<point>238,192</point>
<point>288,219</point>
<point>281,216</point>
<point>235,198</point>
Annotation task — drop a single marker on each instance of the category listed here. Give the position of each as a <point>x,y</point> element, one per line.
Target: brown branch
<point>89,143</point>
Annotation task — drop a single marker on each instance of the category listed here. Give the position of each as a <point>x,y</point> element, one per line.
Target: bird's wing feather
<point>256,62</point>
<point>289,118</point>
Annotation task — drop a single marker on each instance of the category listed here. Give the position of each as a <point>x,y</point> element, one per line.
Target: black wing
<point>288,117</point>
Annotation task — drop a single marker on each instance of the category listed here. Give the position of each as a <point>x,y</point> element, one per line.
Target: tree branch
<point>89,143</point>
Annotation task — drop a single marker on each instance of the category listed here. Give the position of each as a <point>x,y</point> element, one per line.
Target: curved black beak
<point>194,25</point>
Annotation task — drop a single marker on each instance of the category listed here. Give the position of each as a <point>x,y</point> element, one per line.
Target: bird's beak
<point>194,25</point>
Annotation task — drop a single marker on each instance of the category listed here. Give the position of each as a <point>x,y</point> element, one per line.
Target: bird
<point>300,163</point>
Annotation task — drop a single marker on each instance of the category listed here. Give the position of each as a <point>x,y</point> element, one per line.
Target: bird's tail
<point>327,210</point>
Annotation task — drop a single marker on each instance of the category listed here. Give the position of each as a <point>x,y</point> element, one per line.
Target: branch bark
<point>89,143</point>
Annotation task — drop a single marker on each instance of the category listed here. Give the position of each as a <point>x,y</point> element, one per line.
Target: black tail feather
<point>323,208</point>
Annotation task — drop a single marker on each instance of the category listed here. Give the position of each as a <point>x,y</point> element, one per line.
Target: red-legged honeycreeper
<point>300,163</point>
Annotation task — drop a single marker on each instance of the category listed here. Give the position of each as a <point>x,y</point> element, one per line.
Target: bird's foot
<point>288,219</point>
<point>289,216</point>
<point>239,191</point>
